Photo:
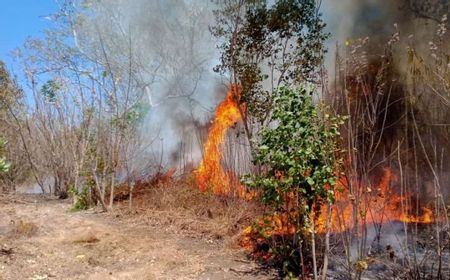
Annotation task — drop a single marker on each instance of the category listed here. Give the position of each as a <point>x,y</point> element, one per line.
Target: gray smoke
<point>172,56</point>
<point>378,20</point>
<point>414,23</point>
<point>173,52</point>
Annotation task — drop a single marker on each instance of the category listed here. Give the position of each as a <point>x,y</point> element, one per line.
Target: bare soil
<point>41,239</point>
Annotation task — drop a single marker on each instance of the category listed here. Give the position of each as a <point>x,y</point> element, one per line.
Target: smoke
<point>167,48</point>
<point>379,20</point>
<point>171,54</point>
<point>414,24</point>
<point>347,19</point>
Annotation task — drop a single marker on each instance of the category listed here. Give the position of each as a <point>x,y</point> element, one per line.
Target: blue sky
<point>20,19</point>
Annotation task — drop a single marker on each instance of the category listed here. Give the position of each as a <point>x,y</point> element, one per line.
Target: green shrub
<point>297,155</point>
<point>81,198</point>
<point>4,164</point>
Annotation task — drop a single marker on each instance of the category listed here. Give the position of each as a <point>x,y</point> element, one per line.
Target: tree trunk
<point>313,246</point>
<point>111,193</point>
<point>327,243</point>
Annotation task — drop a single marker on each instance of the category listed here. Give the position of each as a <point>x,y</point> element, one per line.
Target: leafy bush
<point>81,199</point>
<point>4,164</point>
<point>297,154</point>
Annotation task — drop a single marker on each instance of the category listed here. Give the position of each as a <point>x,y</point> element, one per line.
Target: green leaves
<point>131,118</point>
<point>4,164</point>
<point>297,150</point>
<point>279,43</point>
<point>50,90</point>
<point>298,155</point>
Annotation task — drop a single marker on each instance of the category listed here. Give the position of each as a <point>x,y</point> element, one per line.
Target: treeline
<point>75,126</point>
<point>76,123</point>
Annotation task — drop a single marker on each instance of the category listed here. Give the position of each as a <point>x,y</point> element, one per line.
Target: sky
<point>20,19</point>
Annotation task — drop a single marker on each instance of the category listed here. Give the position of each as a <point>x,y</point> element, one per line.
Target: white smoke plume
<point>171,52</point>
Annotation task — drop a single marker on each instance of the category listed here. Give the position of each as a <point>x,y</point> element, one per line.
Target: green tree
<point>13,160</point>
<point>4,165</point>
<point>5,101</point>
<point>10,94</point>
<point>266,46</point>
<point>298,154</point>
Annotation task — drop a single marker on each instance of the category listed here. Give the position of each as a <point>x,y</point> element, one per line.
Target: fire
<point>210,174</point>
<point>369,207</point>
<point>373,207</point>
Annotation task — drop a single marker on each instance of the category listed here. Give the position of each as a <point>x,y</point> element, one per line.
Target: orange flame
<point>369,207</point>
<point>210,174</point>
<point>374,206</point>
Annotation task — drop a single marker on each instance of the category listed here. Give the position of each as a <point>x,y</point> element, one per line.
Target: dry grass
<point>88,237</point>
<point>186,209</point>
<point>22,228</point>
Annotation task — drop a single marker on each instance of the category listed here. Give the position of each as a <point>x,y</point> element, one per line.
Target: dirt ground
<point>41,239</point>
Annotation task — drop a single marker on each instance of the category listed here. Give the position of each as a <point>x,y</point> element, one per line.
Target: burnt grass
<point>392,253</point>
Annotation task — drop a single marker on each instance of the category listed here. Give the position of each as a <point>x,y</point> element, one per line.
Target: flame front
<point>210,174</point>
<point>373,206</point>
<point>368,208</point>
